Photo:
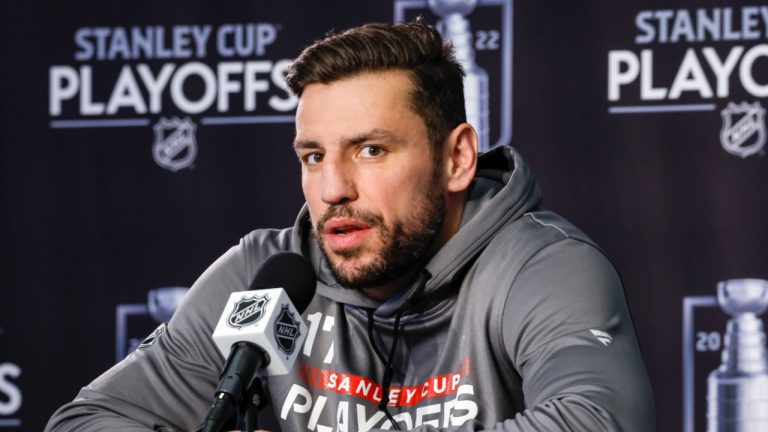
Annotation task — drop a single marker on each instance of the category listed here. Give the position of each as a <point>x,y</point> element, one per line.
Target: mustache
<point>345,210</point>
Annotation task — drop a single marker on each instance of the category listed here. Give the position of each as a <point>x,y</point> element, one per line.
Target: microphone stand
<point>249,406</point>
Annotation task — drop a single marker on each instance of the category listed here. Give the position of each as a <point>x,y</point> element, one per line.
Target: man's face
<point>375,195</point>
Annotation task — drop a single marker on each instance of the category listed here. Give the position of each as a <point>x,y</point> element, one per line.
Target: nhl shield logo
<point>743,131</point>
<point>247,311</point>
<point>286,330</point>
<point>175,147</point>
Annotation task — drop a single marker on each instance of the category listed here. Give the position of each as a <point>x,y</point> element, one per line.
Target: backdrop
<point>139,140</point>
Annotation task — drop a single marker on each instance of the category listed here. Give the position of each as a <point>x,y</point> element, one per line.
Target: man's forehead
<point>395,85</point>
<point>363,107</point>
<point>404,76</point>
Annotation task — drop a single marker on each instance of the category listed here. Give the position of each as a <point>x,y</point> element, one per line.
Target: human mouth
<point>345,233</point>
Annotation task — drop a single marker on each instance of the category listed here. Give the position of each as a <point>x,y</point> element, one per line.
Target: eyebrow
<point>375,135</point>
<point>372,135</point>
<point>308,144</point>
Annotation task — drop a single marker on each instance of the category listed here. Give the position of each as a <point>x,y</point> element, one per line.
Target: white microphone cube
<point>266,318</point>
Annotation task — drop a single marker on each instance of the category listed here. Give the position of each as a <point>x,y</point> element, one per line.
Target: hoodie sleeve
<point>567,330</point>
<point>168,385</point>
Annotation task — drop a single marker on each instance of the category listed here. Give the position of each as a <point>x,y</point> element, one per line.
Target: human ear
<point>461,157</point>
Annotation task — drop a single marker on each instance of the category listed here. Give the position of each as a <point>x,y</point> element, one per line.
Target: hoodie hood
<point>502,191</point>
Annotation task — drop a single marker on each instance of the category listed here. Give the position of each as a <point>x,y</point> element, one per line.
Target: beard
<point>404,242</point>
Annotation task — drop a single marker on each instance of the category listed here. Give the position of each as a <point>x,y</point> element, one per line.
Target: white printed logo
<point>602,336</point>
<point>743,131</point>
<point>639,82</point>
<point>175,146</point>
<point>219,74</point>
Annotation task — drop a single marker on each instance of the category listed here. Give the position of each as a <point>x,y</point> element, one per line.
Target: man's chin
<point>346,254</point>
<point>351,271</point>
<point>346,266</point>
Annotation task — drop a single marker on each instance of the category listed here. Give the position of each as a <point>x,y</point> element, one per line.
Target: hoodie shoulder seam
<point>548,225</point>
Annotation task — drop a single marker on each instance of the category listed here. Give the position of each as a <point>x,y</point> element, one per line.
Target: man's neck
<point>451,225</point>
<point>388,290</point>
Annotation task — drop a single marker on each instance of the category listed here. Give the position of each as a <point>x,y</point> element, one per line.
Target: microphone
<point>261,331</point>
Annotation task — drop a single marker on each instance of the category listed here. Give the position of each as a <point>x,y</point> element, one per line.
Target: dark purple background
<point>89,221</point>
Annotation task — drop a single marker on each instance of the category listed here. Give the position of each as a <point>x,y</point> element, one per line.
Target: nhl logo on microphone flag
<point>266,318</point>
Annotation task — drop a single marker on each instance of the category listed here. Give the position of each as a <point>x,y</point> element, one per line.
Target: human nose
<point>338,186</point>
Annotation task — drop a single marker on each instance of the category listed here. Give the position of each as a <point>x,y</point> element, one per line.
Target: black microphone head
<point>289,271</point>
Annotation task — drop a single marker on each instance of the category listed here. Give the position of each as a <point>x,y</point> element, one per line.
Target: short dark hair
<point>416,47</point>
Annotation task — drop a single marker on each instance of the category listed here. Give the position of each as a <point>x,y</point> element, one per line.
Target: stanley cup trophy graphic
<point>454,26</point>
<point>737,394</point>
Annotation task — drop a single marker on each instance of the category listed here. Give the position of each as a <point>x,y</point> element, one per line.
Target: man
<point>446,296</point>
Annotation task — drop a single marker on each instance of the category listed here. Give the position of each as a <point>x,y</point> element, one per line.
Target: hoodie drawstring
<point>388,369</point>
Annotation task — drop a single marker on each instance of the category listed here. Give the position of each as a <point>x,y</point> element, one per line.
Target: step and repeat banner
<point>140,140</point>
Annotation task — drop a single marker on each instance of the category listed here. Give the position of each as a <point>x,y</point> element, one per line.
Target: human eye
<point>313,158</point>
<point>371,151</point>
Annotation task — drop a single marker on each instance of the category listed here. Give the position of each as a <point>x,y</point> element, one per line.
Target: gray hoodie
<point>519,323</point>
